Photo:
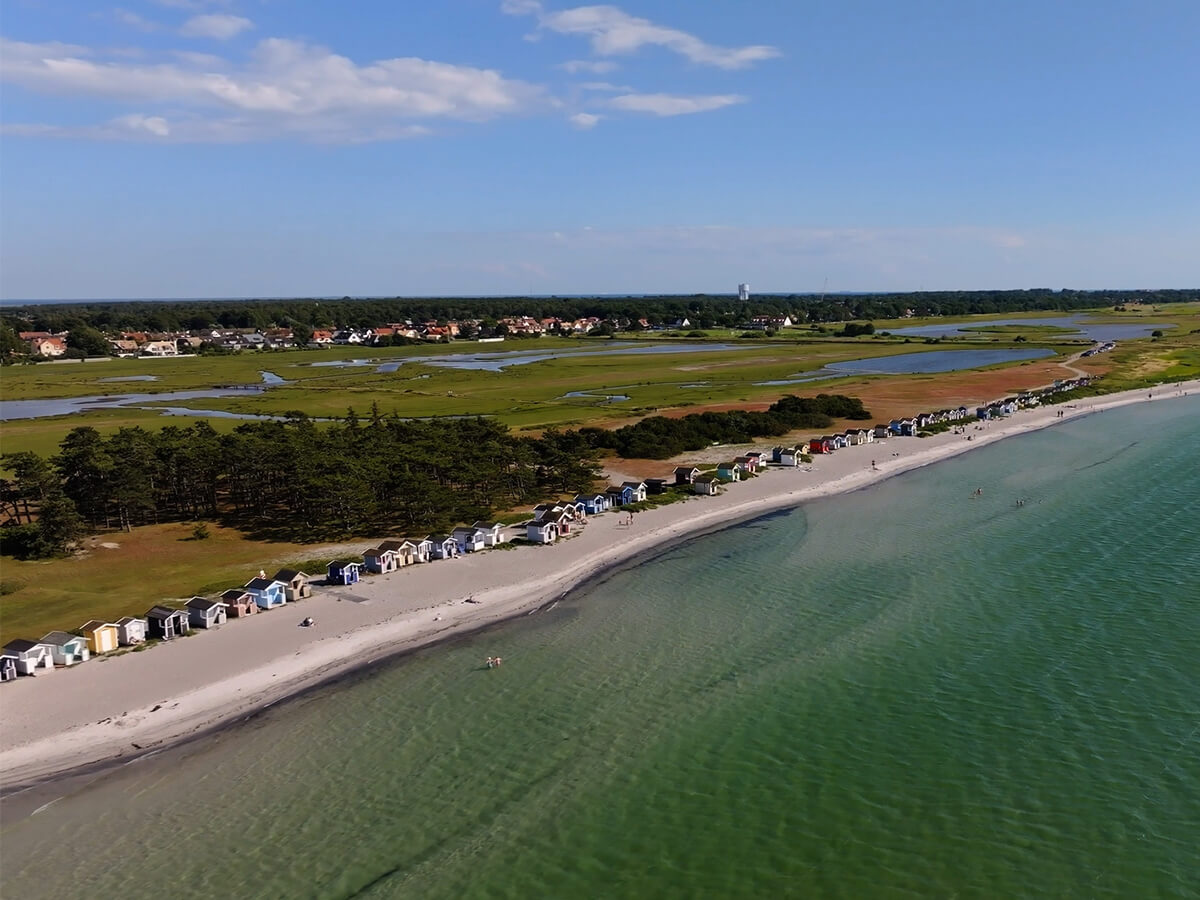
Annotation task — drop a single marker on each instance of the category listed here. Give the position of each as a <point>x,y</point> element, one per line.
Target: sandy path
<point>122,706</point>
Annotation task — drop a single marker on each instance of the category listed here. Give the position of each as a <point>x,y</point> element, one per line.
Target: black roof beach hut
<point>165,623</point>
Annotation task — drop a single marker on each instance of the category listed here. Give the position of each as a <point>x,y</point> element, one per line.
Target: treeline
<point>291,479</point>
<point>659,437</point>
<point>704,310</point>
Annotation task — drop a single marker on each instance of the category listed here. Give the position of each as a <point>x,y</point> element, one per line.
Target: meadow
<point>593,383</point>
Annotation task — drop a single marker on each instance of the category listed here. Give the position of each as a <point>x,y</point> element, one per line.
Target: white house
<point>469,538</point>
<point>493,533</point>
<point>541,532</point>
<point>66,649</point>
<point>33,657</point>
<point>131,631</point>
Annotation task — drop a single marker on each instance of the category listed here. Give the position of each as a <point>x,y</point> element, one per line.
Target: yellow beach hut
<point>101,636</point>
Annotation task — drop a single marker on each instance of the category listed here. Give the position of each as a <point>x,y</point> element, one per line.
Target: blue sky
<point>192,148</point>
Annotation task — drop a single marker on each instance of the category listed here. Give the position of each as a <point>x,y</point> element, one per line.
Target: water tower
<point>743,291</point>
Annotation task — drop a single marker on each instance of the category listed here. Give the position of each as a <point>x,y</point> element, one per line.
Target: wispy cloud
<point>596,66</point>
<point>673,105</point>
<point>218,26</point>
<point>583,121</point>
<point>614,32</point>
<point>285,89</point>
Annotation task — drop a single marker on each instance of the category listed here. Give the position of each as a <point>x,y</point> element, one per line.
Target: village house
<point>33,657</point>
<point>469,539</point>
<point>48,346</point>
<point>705,484</point>
<point>729,471</point>
<point>8,666</point>
<point>203,613</point>
<point>267,592</point>
<point>541,532</point>
<point>165,623</point>
<point>66,649</point>
<point>493,533</point>
<point>159,348</point>
<point>239,603</point>
<point>686,474</point>
<point>340,572</point>
<point>321,338</point>
<point>380,560</point>
<point>101,637</point>
<point>296,584</point>
<point>131,630</point>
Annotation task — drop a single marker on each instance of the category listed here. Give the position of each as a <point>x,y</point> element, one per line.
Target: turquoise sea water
<point>902,692</point>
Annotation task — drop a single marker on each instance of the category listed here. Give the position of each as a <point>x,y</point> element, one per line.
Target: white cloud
<point>596,67</point>
<point>604,86</point>
<point>133,20</point>
<point>583,121</point>
<point>614,32</point>
<point>219,26</point>
<point>673,105</point>
<point>286,89</point>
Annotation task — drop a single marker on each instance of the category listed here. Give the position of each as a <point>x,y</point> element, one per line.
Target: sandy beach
<point>121,707</point>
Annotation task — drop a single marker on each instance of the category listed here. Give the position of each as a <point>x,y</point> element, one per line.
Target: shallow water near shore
<point>898,692</point>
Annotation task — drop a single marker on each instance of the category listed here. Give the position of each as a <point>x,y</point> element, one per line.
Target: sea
<point>910,691</point>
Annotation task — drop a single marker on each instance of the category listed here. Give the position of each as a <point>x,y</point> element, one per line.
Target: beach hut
<point>686,474</point>
<point>593,504</point>
<point>403,552</point>
<point>238,603</point>
<point>493,533</point>
<point>66,649</point>
<point>747,464</point>
<point>637,490</point>
<point>759,458</point>
<point>444,546</point>
<point>424,552</point>
<point>165,623</point>
<point>656,485</point>
<point>882,432</point>
<point>789,456</point>
<point>469,539</point>
<point>729,471</point>
<point>33,657</point>
<point>380,560</point>
<point>820,445</point>
<point>8,666</point>
<point>618,496</point>
<point>131,630</point>
<point>340,572</point>
<point>101,637</point>
<point>541,532</point>
<point>296,586</point>
<point>705,484</point>
<point>267,592</point>
<point>204,613</point>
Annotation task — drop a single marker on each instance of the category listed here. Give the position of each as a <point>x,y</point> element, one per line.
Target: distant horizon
<point>50,301</point>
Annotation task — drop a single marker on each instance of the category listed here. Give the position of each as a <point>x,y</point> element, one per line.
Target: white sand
<point>102,709</point>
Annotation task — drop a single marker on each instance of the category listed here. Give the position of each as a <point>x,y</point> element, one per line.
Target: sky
<point>237,148</point>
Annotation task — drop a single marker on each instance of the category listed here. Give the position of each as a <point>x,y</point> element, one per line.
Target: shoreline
<point>68,726</point>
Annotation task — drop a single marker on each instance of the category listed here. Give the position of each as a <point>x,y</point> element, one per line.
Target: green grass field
<point>530,396</point>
